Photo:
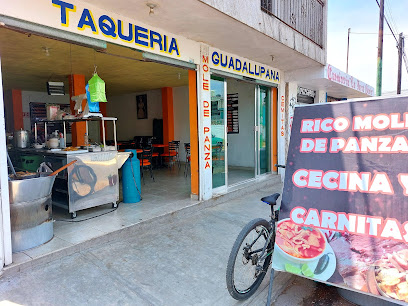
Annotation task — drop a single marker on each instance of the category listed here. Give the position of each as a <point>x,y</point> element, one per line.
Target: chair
<point>172,154</point>
<point>150,141</point>
<point>177,145</point>
<point>154,153</point>
<point>140,143</point>
<point>188,159</point>
<point>146,162</point>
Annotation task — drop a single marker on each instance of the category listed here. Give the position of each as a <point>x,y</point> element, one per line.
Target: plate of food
<point>389,276</point>
<point>73,150</point>
<point>303,250</point>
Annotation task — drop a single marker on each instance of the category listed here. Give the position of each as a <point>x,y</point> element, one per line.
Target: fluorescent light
<point>167,60</point>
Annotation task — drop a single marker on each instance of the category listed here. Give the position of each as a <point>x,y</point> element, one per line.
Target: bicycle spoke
<point>246,274</point>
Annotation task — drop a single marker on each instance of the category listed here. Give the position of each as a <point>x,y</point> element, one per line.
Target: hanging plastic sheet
<point>96,89</point>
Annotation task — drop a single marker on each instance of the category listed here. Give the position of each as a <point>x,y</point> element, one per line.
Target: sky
<point>362,16</point>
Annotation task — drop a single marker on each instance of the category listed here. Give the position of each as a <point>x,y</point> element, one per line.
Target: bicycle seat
<point>271,200</point>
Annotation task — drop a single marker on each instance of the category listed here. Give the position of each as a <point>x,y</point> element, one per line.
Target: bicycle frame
<point>264,254</point>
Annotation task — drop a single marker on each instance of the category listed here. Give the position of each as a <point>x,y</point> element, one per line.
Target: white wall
<point>181,118</point>
<point>123,107</point>
<point>241,146</point>
<point>273,27</point>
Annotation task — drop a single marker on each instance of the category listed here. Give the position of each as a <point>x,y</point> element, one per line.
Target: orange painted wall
<point>274,114</point>
<point>168,115</point>
<point>8,111</point>
<point>192,100</point>
<point>77,87</point>
<point>17,109</point>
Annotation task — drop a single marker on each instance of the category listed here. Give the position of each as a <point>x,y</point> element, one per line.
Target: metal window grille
<point>304,16</point>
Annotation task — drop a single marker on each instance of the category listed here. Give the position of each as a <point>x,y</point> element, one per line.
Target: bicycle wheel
<point>244,270</point>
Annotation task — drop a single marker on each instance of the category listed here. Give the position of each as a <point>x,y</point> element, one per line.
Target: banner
<point>344,213</point>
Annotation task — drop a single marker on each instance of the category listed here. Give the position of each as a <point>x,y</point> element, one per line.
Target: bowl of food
<point>298,243</point>
<point>38,145</point>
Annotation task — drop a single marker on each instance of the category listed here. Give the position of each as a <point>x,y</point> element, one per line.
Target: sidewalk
<point>179,259</point>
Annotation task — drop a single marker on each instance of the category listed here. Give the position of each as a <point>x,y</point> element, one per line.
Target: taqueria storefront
<point>158,86</point>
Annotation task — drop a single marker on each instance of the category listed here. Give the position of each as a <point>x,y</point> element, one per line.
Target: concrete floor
<point>180,261</point>
<point>170,192</point>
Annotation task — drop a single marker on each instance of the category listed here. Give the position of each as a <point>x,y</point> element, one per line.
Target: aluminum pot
<point>21,139</point>
<point>31,212</point>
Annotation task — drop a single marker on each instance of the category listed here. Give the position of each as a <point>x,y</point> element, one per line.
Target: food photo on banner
<point>344,210</point>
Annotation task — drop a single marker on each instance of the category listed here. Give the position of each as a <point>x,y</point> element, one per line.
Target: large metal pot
<point>21,139</point>
<point>31,212</point>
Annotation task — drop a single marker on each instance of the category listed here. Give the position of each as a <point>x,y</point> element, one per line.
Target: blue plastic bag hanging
<point>97,89</point>
<point>93,106</point>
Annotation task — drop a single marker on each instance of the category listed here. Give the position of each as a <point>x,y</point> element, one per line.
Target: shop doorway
<point>30,61</point>
<point>241,115</point>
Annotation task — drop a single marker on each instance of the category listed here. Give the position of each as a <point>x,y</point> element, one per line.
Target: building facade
<point>246,65</point>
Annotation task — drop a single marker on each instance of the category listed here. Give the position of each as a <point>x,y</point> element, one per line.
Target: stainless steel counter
<point>92,181</point>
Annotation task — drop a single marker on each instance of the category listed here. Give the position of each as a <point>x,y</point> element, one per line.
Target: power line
<point>388,25</point>
<point>367,33</point>
<point>391,16</point>
<point>404,56</point>
<point>393,25</point>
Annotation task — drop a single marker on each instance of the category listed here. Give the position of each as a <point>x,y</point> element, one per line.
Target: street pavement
<point>179,263</point>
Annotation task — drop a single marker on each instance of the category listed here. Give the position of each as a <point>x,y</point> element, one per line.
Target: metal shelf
<point>95,118</point>
<point>86,119</point>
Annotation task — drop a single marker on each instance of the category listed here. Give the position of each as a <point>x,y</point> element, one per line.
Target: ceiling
<point>26,65</point>
<point>200,22</point>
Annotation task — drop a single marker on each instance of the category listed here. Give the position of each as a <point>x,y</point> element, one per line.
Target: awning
<point>335,82</point>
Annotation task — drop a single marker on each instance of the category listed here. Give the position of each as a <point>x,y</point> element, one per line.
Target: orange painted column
<point>274,113</point>
<point>192,101</point>
<point>17,109</point>
<point>168,116</point>
<point>77,87</point>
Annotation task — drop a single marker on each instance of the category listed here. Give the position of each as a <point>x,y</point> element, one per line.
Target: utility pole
<point>348,45</point>
<point>400,52</point>
<point>380,49</point>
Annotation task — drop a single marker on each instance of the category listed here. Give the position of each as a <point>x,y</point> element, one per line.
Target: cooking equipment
<point>31,212</point>
<point>53,141</point>
<point>21,139</point>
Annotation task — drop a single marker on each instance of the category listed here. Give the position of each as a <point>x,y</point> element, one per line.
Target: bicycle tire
<point>233,291</point>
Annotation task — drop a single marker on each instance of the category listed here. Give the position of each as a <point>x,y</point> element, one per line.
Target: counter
<point>91,181</point>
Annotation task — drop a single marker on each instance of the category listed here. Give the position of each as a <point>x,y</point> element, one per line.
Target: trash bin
<point>131,185</point>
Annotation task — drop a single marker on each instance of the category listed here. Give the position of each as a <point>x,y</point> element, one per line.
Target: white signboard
<point>227,62</point>
<point>335,75</point>
<point>204,119</point>
<point>88,20</point>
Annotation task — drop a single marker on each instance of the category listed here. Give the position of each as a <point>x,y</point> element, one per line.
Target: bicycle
<point>253,248</point>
